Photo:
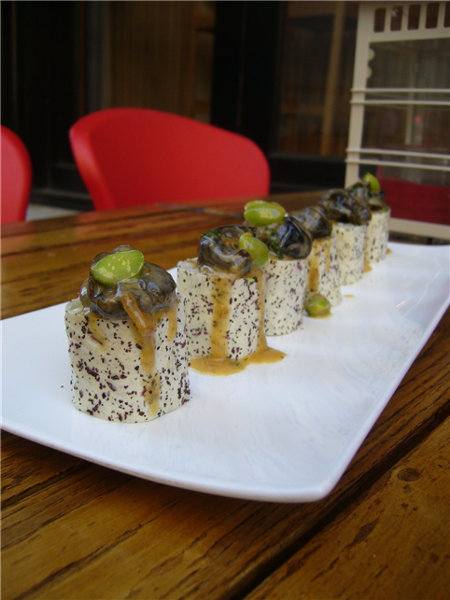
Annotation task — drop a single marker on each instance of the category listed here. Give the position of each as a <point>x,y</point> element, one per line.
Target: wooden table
<point>72,529</point>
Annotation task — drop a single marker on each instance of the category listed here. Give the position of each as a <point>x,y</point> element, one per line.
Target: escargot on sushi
<point>224,288</point>
<point>324,278</point>
<point>287,268</point>
<point>350,216</point>
<point>377,236</point>
<point>127,340</point>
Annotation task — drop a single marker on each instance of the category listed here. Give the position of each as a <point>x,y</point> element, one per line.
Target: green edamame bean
<point>373,182</point>
<point>259,212</point>
<point>257,249</point>
<point>118,266</point>
<point>317,306</point>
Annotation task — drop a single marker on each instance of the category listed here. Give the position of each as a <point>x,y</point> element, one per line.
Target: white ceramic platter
<point>283,432</point>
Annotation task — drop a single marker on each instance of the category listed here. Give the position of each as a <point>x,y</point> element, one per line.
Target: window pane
<point>410,64</point>
<point>396,18</point>
<point>317,75</point>
<point>414,16</point>
<point>380,17</point>
<point>432,15</point>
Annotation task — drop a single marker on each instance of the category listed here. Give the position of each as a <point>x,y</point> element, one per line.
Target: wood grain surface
<point>75,530</point>
<point>368,542</point>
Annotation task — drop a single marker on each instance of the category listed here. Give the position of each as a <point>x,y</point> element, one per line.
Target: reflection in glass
<point>423,121</point>
<point>317,73</point>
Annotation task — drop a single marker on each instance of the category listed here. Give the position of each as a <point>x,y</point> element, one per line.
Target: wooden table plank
<point>138,227</point>
<point>75,228</point>
<point>86,218</point>
<point>75,249</point>
<point>78,483</point>
<point>35,276</point>
<point>179,544</point>
<point>28,468</point>
<point>393,543</point>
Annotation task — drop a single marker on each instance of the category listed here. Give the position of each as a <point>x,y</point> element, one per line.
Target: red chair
<point>134,156</point>
<point>16,176</point>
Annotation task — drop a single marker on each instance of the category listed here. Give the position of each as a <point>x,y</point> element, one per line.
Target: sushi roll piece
<point>324,275</point>
<point>285,295</point>
<point>350,243</point>
<point>350,216</point>
<point>287,268</point>
<point>376,244</point>
<point>127,340</point>
<point>224,289</point>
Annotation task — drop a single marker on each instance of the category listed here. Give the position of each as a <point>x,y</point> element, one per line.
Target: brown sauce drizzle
<point>143,326</point>
<point>144,321</point>
<point>263,353</point>
<point>147,343</point>
<point>367,267</point>
<point>314,278</point>
<point>151,395</point>
<point>313,282</point>
<point>171,314</point>
<point>389,251</point>
<point>218,363</point>
<point>228,366</point>
<point>222,288</point>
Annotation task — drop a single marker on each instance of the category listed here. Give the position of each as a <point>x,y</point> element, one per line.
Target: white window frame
<point>361,97</point>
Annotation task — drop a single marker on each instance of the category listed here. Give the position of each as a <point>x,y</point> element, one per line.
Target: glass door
<point>289,76</point>
<point>400,115</point>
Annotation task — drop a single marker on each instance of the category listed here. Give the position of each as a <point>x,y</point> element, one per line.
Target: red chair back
<point>16,176</point>
<point>134,156</point>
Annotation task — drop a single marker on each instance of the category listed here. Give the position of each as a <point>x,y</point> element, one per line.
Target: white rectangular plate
<point>283,432</point>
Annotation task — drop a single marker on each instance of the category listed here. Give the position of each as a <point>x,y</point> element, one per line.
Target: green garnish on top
<point>118,266</point>
<point>256,248</point>
<point>260,212</point>
<point>373,182</point>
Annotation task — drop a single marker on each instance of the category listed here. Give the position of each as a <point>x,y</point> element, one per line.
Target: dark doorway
<point>282,76</point>
<point>262,69</point>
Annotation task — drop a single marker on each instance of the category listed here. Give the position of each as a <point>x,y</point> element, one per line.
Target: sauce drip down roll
<point>287,267</point>
<point>324,277</point>
<point>225,288</point>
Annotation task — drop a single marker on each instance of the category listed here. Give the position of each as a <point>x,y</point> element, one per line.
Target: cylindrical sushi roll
<point>324,277</point>
<point>224,289</point>
<point>224,310</point>
<point>350,241</point>
<point>324,274</point>
<point>285,294</point>
<point>127,340</point>
<point>350,216</point>
<point>376,244</point>
<point>287,274</point>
